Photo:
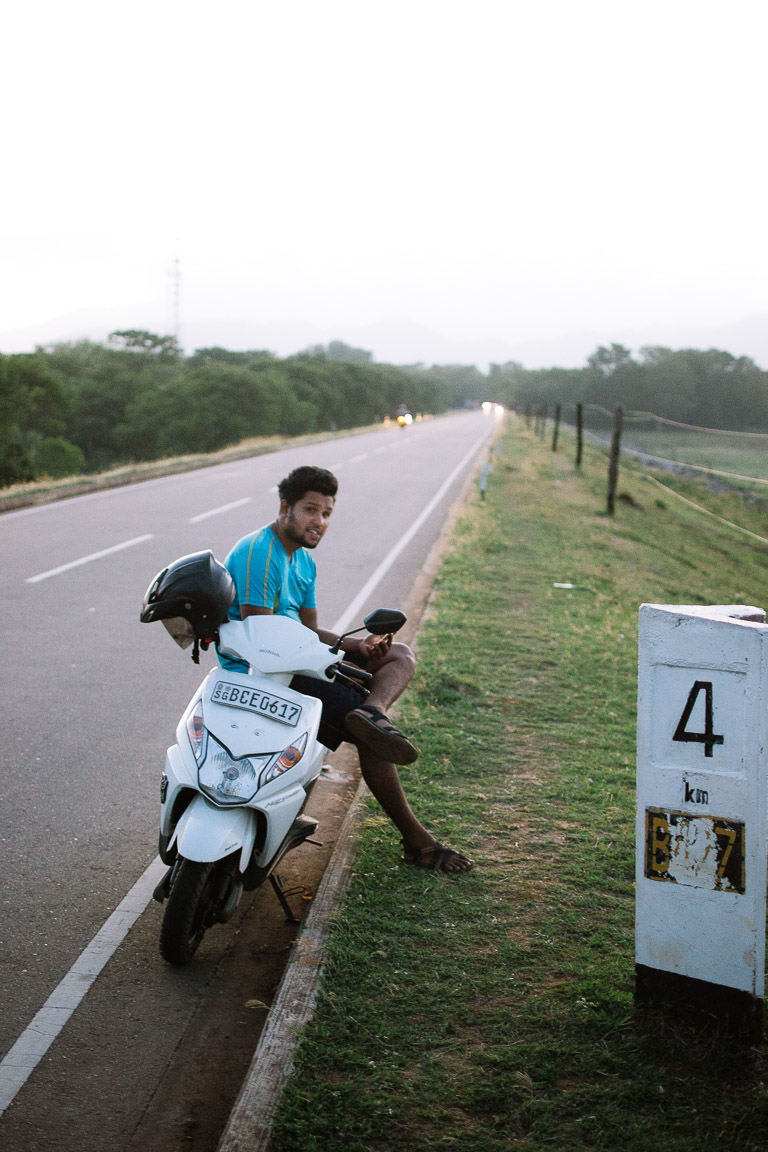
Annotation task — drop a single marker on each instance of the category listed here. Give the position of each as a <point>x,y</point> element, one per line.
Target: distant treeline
<point>82,407</point>
<point>712,388</point>
<point>86,406</point>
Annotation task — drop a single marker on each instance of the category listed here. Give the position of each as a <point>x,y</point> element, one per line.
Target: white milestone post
<point>702,807</point>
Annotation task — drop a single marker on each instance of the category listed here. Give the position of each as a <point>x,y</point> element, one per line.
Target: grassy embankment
<point>44,490</point>
<point>741,455</point>
<point>495,1010</point>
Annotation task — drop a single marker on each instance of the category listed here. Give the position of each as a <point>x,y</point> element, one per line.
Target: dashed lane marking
<point>87,559</point>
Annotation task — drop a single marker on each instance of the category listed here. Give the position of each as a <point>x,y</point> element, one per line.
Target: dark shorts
<point>337,700</point>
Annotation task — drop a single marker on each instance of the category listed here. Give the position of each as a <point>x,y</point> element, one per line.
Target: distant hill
<point>397,341</point>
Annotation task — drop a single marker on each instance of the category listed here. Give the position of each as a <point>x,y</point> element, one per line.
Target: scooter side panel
<point>181,777</point>
<point>281,812</point>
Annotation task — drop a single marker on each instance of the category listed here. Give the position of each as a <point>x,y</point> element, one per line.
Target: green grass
<point>742,456</point>
<point>496,1010</point>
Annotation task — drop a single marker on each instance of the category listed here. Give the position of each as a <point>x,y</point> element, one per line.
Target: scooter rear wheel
<point>188,912</point>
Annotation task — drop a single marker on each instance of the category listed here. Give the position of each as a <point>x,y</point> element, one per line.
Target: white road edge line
<point>250,1122</point>
<point>87,559</point>
<point>351,613</point>
<point>216,511</point>
<point>37,1038</point>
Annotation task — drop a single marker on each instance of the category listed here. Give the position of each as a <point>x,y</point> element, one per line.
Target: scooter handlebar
<point>355,672</point>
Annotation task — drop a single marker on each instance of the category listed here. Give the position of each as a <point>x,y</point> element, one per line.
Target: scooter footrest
<point>301,829</point>
<point>305,825</point>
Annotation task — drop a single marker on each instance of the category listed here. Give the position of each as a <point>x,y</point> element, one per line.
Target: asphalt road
<point>91,699</point>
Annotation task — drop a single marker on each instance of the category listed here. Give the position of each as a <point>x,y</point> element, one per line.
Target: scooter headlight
<point>197,732</point>
<point>229,781</point>
<point>288,758</point>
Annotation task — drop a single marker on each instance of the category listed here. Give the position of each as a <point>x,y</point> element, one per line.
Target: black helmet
<point>192,597</point>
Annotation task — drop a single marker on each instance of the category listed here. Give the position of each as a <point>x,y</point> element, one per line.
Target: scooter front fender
<point>207,833</point>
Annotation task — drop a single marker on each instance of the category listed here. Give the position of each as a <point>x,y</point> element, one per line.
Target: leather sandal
<point>371,727</point>
<point>437,858</point>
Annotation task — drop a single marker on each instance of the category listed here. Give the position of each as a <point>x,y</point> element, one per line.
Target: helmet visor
<point>181,630</point>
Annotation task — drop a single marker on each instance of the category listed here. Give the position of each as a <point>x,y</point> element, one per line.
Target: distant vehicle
<point>404,417</point>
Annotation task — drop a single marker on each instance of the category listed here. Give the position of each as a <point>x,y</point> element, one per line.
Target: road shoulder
<point>250,1121</point>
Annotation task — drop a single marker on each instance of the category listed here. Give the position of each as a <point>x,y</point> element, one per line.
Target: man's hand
<point>375,647</point>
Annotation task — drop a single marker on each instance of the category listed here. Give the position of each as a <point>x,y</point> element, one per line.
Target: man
<point>274,573</point>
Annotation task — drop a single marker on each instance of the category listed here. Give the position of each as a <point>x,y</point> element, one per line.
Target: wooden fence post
<point>579,433</point>
<point>557,427</point>
<point>613,463</point>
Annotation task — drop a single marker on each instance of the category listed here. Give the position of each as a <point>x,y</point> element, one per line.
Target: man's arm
<point>368,647</point>
<point>308,617</point>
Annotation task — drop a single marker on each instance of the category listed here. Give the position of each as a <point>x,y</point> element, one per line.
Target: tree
<point>102,382</point>
<point>210,407</point>
<point>56,457</point>
<point>338,350</point>
<point>610,360</point>
<point>139,340</point>
<point>457,386</point>
<point>652,355</point>
<point>31,404</point>
<point>217,355</point>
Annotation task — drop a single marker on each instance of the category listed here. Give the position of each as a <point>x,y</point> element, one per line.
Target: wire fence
<point>660,443</point>
<point>740,457</point>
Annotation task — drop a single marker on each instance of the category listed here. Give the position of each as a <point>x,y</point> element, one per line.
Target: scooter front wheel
<point>188,913</point>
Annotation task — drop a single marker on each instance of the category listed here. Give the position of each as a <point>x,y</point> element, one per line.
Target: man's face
<point>305,522</point>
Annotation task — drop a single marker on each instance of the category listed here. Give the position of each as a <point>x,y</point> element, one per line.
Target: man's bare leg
<point>391,676</point>
<point>383,780</point>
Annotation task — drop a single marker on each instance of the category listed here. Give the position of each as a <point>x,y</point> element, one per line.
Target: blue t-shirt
<point>267,577</point>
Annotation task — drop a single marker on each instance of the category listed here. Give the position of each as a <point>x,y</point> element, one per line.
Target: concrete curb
<point>250,1121</point>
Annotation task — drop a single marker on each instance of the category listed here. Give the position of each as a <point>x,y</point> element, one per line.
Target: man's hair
<point>305,479</point>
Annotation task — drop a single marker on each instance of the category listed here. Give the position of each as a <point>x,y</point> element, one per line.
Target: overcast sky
<point>506,169</point>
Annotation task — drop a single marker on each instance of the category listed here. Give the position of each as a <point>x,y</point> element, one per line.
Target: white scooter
<point>236,780</point>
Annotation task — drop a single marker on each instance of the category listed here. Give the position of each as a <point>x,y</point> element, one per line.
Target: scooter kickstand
<point>277,888</point>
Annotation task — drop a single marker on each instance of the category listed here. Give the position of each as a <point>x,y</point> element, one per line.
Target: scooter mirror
<point>384,620</point>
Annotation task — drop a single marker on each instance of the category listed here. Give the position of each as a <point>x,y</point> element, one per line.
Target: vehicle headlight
<point>288,758</point>
<point>227,780</point>
<point>197,732</point>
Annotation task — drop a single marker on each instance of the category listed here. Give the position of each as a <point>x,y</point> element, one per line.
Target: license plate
<point>255,700</point>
